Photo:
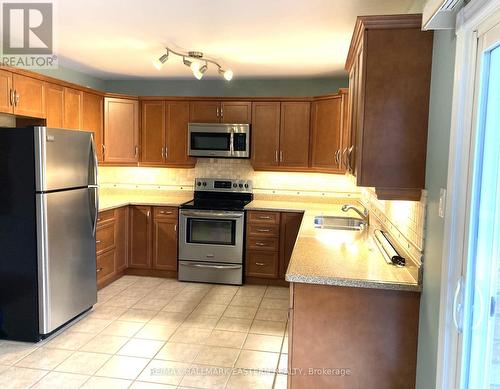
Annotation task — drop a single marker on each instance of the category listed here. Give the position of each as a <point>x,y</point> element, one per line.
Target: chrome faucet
<point>364,214</point>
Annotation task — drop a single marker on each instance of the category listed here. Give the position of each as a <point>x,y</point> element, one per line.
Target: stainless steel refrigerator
<point>48,217</point>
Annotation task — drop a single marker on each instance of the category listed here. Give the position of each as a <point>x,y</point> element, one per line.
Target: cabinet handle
<point>166,152</point>
<point>260,244</point>
<point>175,227</point>
<point>148,214</point>
<point>166,212</point>
<point>264,217</point>
<point>263,230</point>
<point>281,156</point>
<point>162,153</point>
<point>97,241</point>
<point>221,112</point>
<point>11,97</point>
<point>218,112</point>
<point>16,98</point>
<point>136,151</point>
<point>349,156</point>
<point>99,269</point>
<point>260,264</point>
<point>276,155</point>
<point>103,149</point>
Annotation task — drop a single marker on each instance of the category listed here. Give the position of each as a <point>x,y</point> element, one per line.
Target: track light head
<point>158,63</point>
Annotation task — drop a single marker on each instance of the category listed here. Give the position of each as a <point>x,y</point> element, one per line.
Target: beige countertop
<point>114,198</point>
<point>320,256</point>
<point>333,257</point>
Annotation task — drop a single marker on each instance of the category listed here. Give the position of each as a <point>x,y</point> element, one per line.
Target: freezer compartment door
<point>64,159</point>
<point>66,255</point>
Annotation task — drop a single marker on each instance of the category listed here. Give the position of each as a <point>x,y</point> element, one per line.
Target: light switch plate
<point>442,202</point>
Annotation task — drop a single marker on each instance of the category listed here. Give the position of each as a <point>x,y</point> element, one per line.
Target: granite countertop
<point>115,198</point>
<point>333,257</point>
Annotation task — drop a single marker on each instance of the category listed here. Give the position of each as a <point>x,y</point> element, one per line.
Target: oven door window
<point>211,231</point>
<point>210,141</point>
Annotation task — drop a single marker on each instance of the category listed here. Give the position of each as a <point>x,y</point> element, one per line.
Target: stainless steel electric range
<point>212,231</point>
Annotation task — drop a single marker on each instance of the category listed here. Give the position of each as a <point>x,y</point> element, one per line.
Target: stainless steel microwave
<point>219,140</point>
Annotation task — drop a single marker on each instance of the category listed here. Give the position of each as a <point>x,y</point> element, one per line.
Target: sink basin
<point>339,223</point>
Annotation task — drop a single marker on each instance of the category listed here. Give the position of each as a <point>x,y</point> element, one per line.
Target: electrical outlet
<point>442,202</point>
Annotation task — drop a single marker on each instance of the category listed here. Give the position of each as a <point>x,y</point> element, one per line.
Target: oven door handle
<point>232,215</point>
<point>223,267</point>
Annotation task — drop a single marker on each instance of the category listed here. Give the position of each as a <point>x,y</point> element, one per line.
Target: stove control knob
<point>235,185</point>
<point>198,183</point>
<point>240,185</point>
<point>246,186</point>
<point>204,183</point>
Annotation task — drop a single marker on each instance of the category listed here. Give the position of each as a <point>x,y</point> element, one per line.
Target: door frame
<point>472,21</point>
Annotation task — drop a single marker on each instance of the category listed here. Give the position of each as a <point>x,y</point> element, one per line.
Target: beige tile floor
<point>149,332</point>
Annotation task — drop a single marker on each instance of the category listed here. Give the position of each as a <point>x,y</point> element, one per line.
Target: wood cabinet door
<point>326,134</point>
<point>121,130</point>
<point>92,119</point>
<point>140,237</point>
<point>29,96</point>
<point>347,157</point>
<point>204,111</point>
<point>236,112</point>
<point>54,105</point>
<point>177,119</point>
<point>153,132</point>
<point>165,244</point>
<point>6,103</point>
<point>345,139</point>
<point>121,238</point>
<point>294,134</point>
<point>289,229</point>
<point>265,134</point>
<point>73,101</point>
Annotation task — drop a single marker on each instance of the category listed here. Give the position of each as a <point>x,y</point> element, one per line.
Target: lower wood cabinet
<point>165,239</point>
<point>153,238</point>
<point>372,335</point>
<point>270,238</point>
<point>111,245</point>
<point>140,237</point>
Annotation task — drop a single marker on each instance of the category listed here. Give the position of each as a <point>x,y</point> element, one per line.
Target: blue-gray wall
<point>75,77</point>
<point>443,64</point>
<point>236,87</point>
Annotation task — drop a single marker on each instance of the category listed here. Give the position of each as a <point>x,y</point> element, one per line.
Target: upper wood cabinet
<point>177,120</point>
<point>280,135</point>
<point>92,119</point>
<point>153,132</point>
<point>265,134</point>
<point>164,133</point>
<point>326,134</point>
<point>121,130</point>
<point>6,92</point>
<point>28,96</point>
<point>140,237</point>
<point>73,101</point>
<point>294,134</point>
<point>204,111</point>
<point>212,111</point>
<point>54,105</point>
<point>236,112</point>
<point>389,64</point>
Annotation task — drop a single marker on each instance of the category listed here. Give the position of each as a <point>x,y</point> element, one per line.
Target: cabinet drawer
<point>264,231</point>
<point>262,264</point>
<point>105,237</point>
<point>267,244</point>
<point>105,265</point>
<point>165,212</point>
<point>105,216</point>
<point>263,217</point>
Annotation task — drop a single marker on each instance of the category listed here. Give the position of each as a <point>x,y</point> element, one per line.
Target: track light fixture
<point>195,61</point>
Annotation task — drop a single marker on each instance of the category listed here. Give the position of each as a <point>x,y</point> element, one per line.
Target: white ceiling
<point>117,39</point>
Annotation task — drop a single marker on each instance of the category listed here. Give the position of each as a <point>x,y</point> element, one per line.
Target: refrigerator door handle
<point>94,209</point>
<point>94,160</point>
